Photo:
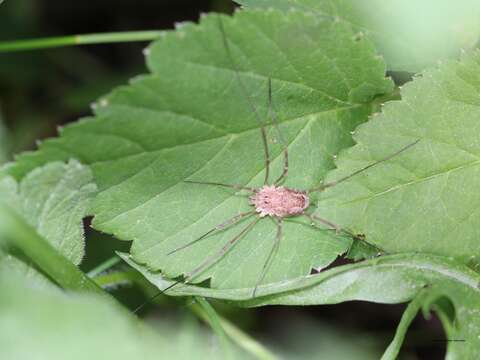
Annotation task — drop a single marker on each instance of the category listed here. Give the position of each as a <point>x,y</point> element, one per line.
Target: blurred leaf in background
<point>48,324</point>
<point>410,34</point>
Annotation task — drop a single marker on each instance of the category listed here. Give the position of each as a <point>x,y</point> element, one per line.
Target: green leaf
<point>53,199</point>
<point>190,120</point>
<point>48,324</point>
<point>426,199</point>
<point>388,279</point>
<point>410,34</point>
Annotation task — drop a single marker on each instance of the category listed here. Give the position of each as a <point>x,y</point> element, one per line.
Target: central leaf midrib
<point>264,77</point>
<point>225,135</point>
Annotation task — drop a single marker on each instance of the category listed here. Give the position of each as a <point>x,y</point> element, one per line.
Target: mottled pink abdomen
<point>279,201</point>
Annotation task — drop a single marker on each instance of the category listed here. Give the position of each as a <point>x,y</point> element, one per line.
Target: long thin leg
<point>270,257</point>
<point>266,154</point>
<point>247,96</point>
<point>206,262</point>
<point>212,259</point>
<point>338,229</point>
<point>314,218</point>
<point>233,220</point>
<point>238,187</point>
<point>336,182</point>
<point>271,110</point>
<point>142,305</point>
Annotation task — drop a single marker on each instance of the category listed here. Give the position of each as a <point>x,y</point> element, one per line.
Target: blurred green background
<point>42,90</point>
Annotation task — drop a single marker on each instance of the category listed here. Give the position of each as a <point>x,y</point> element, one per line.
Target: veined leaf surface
<point>189,119</point>
<point>427,198</point>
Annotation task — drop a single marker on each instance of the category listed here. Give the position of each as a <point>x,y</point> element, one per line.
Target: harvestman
<point>272,199</point>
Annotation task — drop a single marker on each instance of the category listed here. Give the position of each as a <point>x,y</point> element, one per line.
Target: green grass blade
<point>72,40</point>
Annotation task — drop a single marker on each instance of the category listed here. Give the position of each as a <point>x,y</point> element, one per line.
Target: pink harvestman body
<point>279,201</point>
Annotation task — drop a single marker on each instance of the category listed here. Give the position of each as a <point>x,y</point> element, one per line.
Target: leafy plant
<point>164,129</point>
<point>188,119</point>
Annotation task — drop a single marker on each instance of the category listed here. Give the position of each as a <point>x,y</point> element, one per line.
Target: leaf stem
<point>108,264</point>
<point>247,342</point>
<point>83,39</point>
<point>116,278</point>
<point>237,335</point>
<point>211,316</point>
<point>391,353</point>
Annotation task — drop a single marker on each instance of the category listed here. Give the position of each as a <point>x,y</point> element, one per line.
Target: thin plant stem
<point>238,336</point>
<point>213,320</point>
<point>247,342</point>
<point>408,315</point>
<point>116,278</point>
<point>106,265</point>
<point>73,40</point>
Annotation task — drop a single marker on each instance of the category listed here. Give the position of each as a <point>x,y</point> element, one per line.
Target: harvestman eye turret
<point>272,199</point>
